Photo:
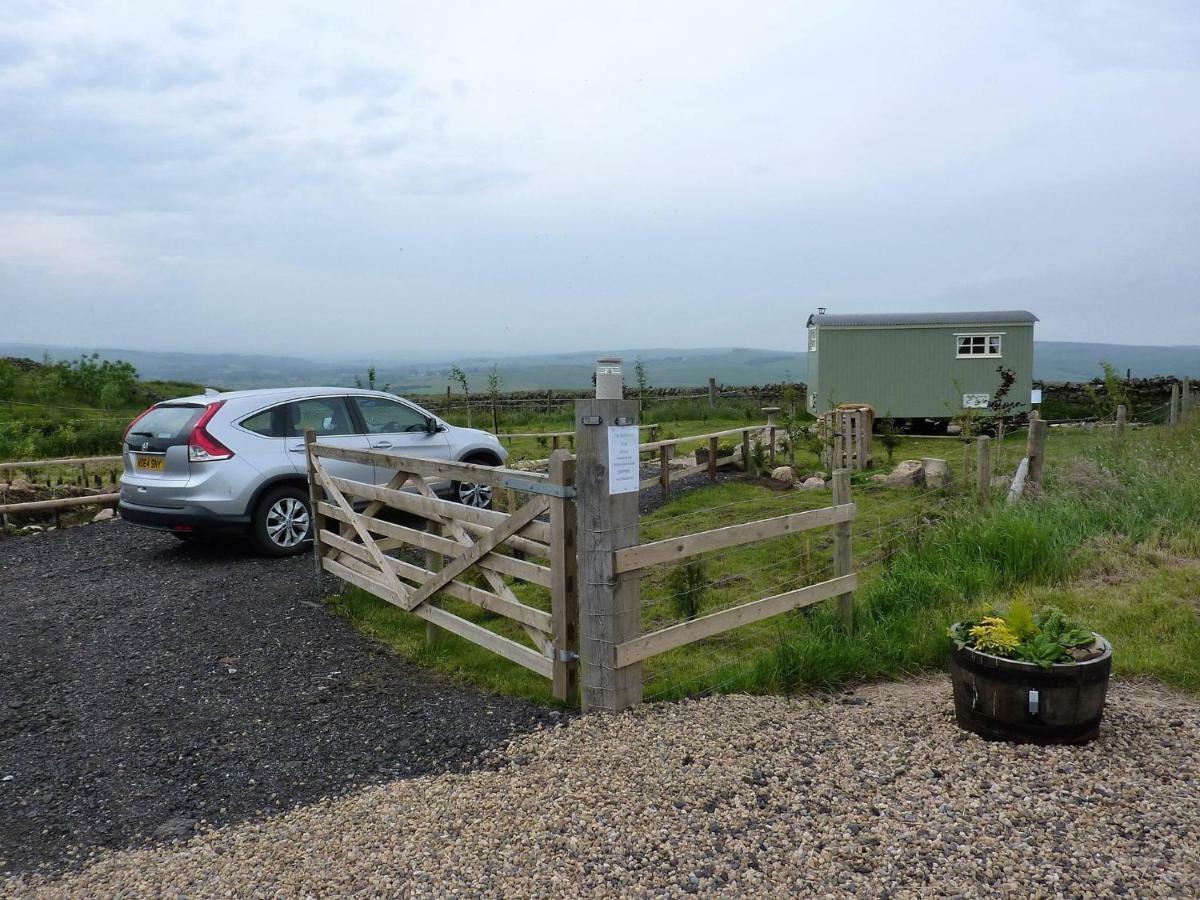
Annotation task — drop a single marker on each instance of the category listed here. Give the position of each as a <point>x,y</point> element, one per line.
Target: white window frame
<point>990,344</point>
<point>812,339</point>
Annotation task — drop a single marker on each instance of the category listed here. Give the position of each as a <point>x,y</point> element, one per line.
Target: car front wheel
<point>469,493</point>
<point>282,523</point>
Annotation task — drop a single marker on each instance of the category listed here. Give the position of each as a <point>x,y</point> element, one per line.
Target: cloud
<point>357,81</point>
<point>699,173</point>
<point>61,246</point>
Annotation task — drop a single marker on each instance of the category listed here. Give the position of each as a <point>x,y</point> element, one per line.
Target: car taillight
<point>128,428</point>
<point>202,446</point>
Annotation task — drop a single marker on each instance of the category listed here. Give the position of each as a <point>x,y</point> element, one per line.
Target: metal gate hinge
<point>564,656</point>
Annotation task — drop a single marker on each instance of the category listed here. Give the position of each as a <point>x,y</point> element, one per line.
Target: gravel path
<point>874,795</point>
<point>148,685</point>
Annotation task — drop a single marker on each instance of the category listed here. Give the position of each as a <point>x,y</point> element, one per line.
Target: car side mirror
<point>431,426</point>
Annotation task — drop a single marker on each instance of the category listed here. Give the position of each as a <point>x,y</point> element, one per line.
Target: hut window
<point>983,345</point>
<point>812,339</point>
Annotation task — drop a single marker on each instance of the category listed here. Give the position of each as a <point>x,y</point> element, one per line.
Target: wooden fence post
<point>983,469</point>
<point>664,470</point>
<point>495,417</point>
<point>771,411</point>
<point>1035,450</point>
<point>1173,410</point>
<point>843,551</point>
<point>564,581</point>
<point>433,562</point>
<point>712,393</point>
<point>746,466</point>
<point>609,604</point>
<point>1185,400</point>
<point>714,447</point>
<point>315,495</point>
<point>1121,421</point>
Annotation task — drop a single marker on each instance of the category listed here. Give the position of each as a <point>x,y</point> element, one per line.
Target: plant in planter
<point>1030,677</point>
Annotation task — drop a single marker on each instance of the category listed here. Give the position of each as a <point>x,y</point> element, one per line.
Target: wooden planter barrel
<point>1009,700</point>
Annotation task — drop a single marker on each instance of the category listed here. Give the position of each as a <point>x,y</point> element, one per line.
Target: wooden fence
<point>573,534</point>
<point>665,450</point>
<point>82,474</point>
<point>676,549</point>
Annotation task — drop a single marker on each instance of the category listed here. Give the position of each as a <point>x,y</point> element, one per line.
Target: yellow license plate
<point>150,463</point>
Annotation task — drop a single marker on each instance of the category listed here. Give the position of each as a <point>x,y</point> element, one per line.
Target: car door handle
<point>299,449</point>
<point>381,445</point>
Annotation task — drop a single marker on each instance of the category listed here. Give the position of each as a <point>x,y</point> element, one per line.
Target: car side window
<point>269,423</point>
<point>389,417</point>
<point>324,415</point>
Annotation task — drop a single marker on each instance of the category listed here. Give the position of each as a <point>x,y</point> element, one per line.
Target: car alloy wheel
<point>287,522</point>
<point>477,495</point>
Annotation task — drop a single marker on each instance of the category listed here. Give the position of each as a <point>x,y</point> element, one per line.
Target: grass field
<point>1115,541</point>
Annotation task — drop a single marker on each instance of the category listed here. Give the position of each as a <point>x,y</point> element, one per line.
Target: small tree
<point>889,436</point>
<point>494,383</point>
<point>358,382</point>
<point>459,377</point>
<point>688,583</point>
<point>790,420</point>
<point>1116,393</point>
<point>639,373</point>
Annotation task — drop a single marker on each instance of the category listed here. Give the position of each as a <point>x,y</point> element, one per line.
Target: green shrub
<point>688,584</point>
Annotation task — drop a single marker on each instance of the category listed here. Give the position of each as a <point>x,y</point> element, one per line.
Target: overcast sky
<point>518,177</point>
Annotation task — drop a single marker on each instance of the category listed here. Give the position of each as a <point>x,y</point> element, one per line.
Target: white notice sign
<point>1035,395</point>
<point>624,471</point>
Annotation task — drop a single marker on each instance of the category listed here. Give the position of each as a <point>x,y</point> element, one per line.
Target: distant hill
<point>1053,361</point>
<point>1066,361</point>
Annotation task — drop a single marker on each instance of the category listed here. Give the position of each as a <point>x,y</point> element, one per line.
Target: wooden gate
<point>428,554</point>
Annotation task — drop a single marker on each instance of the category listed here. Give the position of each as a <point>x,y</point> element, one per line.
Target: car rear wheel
<point>282,524</point>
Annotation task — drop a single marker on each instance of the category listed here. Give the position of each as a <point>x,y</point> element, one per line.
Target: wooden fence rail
<point>32,506</point>
<point>47,463</point>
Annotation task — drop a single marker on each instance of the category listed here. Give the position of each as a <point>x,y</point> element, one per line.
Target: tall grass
<point>1145,494</point>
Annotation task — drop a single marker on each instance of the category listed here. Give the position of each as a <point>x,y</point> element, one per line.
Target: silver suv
<point>235,462</point>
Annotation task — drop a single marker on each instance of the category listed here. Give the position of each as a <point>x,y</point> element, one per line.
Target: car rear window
<point>168,424</point>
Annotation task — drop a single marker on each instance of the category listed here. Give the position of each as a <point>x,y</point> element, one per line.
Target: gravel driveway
<point>148,685</point>
<point>872,795</point>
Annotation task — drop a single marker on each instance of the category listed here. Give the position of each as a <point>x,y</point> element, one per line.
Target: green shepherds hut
<point>919,365</point>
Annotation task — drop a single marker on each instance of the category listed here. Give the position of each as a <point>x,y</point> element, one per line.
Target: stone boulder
<point>937,473</point>
<point>104,515</point>
<point>879,478</point>
<point>813,484</point>
<point>908,473</point>
<point>786,474</point>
